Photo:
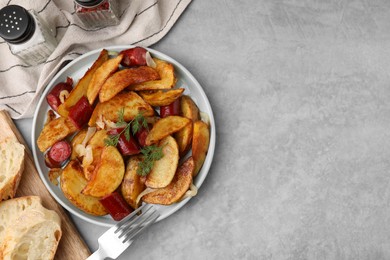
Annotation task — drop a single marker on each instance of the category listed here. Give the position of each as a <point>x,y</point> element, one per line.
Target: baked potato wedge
<point>129,101</point>
<point>164,127</point>
<point>101,75</point>
<point>176,189</point>
<point>107,175</point>
<point>164,169</point>
<point>124,78</point>
<point>190,110</point>
<point>160,97</point>
<point>200,144</point>
<point>98,138</point>
<point>183,138</point>
<point>72,183</point>
<point>167,78</point>
<point>132,184</point>
<point>54,131</point>
<point>81,87</point>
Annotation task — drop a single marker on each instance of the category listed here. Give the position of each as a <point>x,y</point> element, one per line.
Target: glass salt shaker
<point>97,13</point>
<point>27,34</point>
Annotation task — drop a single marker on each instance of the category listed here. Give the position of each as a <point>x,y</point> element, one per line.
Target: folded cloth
<point>142,23</point>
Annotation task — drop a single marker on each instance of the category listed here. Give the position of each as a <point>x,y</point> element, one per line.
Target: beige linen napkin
<point>143,22</point>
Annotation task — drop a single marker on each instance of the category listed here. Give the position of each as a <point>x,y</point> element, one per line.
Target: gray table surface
<point>300,93</point>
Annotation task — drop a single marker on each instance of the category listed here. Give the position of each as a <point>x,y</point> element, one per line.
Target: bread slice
<point>11,167</point>
<point>28,230</point>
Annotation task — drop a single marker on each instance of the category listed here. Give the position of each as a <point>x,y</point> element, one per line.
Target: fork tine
<point>126,220</point>
<point>148,221</point>
<point>135,223</point>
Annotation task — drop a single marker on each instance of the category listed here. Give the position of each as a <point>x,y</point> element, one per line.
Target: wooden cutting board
<point>71,246</point>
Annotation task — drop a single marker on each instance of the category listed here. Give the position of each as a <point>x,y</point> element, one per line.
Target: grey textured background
<point>300,93</point>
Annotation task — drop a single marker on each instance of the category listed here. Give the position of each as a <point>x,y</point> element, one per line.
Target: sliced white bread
<point>28,230</point>
<point>11,167</point>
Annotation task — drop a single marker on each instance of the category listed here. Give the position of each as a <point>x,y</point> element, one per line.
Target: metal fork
<point>119,237</point>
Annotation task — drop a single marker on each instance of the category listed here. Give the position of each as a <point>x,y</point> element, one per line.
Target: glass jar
<point>97,13</point>
<point>27,35</point>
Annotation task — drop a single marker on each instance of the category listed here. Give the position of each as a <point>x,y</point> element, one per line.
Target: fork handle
<point>97,255</point>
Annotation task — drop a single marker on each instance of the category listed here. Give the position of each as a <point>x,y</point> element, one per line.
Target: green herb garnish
<point>150,154</point>
<point>135,124</point>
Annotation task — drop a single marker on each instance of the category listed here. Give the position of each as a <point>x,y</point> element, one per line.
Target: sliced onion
<point>50,116</point>
<point>205,117</point>
<point>149,60</point>
<point>100,123</point>
<point>113,53</point>
<point>146,191</point>
<point>109,124</point>
<point>191,192</point>
<point>80,150</point>
<point>90,132</point>
<point>54,174</point>
<point>88,158</point>
<point>64,94</point>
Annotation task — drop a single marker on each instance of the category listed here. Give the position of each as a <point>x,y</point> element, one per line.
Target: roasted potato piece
<point>189,109</point>
<point>96,143</point>
<point>184,137</point>
<point>81,88</point>
<point>108,174</point>
<point>164,169</point>
<point>98,138</point>
<point>77,139</point>
<point>129,101</point>
<point>124,78</point>
<point>132,184</point>
<point>160,97</point>
<point>167,78</point>
<point>176,189</point>
<point>90,166</point>
<point>54,131</point>
<point>200,144</point>
<point>72,183</point>
<point>164,127</point>
<point>101,75</point>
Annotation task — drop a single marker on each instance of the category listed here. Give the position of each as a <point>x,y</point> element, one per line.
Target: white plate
<point>76,69</point>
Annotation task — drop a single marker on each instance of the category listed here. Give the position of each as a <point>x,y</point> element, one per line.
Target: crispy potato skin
<point>176,189</point>
<point>72,183</point>
<point>167,78</point>
<point>54,131</point>
<point>107,175</point>
<point>188,108</point>
<point>124,78</point>
<point>164,169</point>
<point>184,137</point>
<point>101,75</point>
<point>81,88</point>
<point>132,184</point>
<point>200,144</point>
<point>164,127</point>
<point>161,98</point>
<point>130,101</point>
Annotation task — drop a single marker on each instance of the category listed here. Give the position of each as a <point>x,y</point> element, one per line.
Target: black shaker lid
<point>88,3</point>
<point>16,24</point>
